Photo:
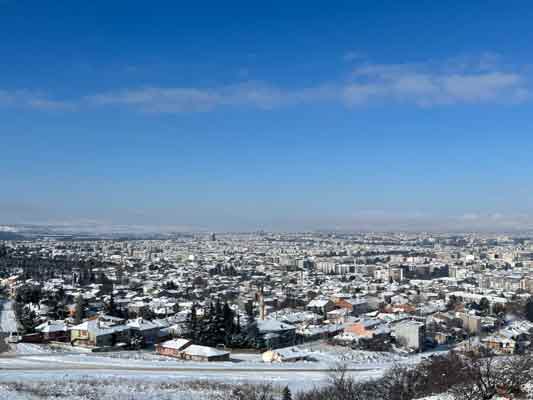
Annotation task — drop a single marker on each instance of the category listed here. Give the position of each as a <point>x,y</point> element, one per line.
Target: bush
<point>472,377</point>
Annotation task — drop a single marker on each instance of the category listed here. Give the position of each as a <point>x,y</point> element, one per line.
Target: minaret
<point>262,313</point>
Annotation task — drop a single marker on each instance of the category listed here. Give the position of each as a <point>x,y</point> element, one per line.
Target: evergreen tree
<point>212,329</point>
<point>219,325</point>
<point>250,312</point>
<point>107,284</point>
<point>60,295</point>
<point>147,314</point>
<point>484,305</point>
<point>529,309</point>
<point>63,312</point>
<point>111,306</point>
<point>26,317</point>
<point>192,325</point>
<point>29,320</point>
<point>238,324</point>
<point>228,316</point>
<point>218,308</point>
<point>79,312</point>
<point>252,331</point>
<point>286,394</point>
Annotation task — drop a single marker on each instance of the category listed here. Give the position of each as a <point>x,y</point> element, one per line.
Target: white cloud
<point>480,87</point>
<point>33,100</point>
<point>465,80</point>
<point>456,81</point>
<point>353,55</point>
<point>182,99</point>
<point>160,99</point>
<point>427,84</point>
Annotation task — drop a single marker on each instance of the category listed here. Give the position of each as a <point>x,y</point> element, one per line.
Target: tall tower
<point>262,311</point>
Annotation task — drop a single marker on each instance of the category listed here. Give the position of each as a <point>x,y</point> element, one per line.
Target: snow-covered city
<point>287,310</point>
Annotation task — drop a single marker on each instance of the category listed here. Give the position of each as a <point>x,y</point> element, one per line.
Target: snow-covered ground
<point>45,376</point>
<point>104,388</point>
<point>30,348</point>
<point>34,363</point>
<point>40,365</point>
<point>336,354</point>
<point>8,322</point>
<point>93,361</point>
<point>325,356</point>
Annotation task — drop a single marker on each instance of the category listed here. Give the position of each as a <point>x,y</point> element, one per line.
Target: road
<point>72,360</point>
<point>40,363</point>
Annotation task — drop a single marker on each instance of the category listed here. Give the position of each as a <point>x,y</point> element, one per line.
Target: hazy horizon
<point>283,117</point>
<point>420,224</point>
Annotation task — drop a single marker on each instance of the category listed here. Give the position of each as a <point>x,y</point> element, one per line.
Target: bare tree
<point>479,376</point>
<point>515,373</point>
<point>481,379</point>
<point>402,383</point>
<point>252,392</point>
<point>441,372</point>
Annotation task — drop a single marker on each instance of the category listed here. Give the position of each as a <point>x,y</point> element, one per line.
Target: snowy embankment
<point>110,389</point>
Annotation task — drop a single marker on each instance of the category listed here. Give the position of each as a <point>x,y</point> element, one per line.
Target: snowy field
<point>51,367</point>
<point>38,366</point>
<point>125,374</point>
<point>326,356</point>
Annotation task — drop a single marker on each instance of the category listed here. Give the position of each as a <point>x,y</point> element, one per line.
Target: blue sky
<point>239,116</point>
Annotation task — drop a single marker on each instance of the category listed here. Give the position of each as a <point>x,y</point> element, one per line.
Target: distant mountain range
<point>10,236</point>
<point>90,231</point>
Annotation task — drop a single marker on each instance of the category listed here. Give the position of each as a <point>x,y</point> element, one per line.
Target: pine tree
<point>529,309</point>
<point>228,316</point>
<point>192,324</point>
<point>220,329</point>
<point>250,312</point>
<point>218,308</point>
<point>214,325</point>
<point>28,319</point>
<point>286,394</point>
<point>79,313</point>
<point>484,305</point>
<point>60,295</point>
<point>111,306</point>
<point>238,325</point>
<point>252,331</point>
